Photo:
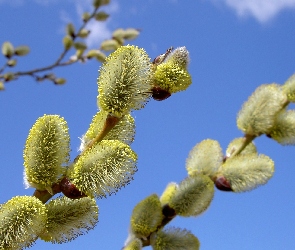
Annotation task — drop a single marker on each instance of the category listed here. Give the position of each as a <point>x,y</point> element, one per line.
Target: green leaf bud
<point>124,130</point>
<point>205,158</point>
<point>104,168</point>
<point>289,88</point>
<point>101,16</point>
<point>70,30</point>
<point>284,130</point>
<point>245,172</point>
<point>109,45</point>
<point>86,16</point>
<point>22,219</point>
<point>84,33</point>
<point>236,143</point>
<point>80,46</point>
<point>193,196</point>
<point>258,113</point>
<point>2,86</point>
<point>7,49</point>
<point>130,34</point>
<point>11,62</point>
<point>21,50</point>
<point>172,77</point>
<point>134,244</point>
<point>46,152</point>
<point>98,3</point>
<point>146,216</point>
<point>60,81</point>
<point>68,219</point>
<point>118,33</point>
<point>8,76</point>
<point>179,56</point>
<point>124,81</point>
<point>97,54</point>
<point>174,239</point>
<point>168,193</point>
<point>67,42</point>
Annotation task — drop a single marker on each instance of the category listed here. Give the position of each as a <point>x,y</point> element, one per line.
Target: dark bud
<point>222,184</point>
<point>70,190</point>
<point>160,94</point>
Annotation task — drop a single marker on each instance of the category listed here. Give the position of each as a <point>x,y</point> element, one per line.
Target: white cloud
<point>262,10</point>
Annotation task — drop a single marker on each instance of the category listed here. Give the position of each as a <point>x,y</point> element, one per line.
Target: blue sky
<point>234,45</point>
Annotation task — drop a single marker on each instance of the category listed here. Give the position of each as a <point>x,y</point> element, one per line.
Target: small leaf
<point>84,33</point>
<point>80,46</point>
<point>21,50</point>
<point>130,34</point>
<point>7,49</point>
<point>109,45</point>
<point>60,81</point>
<point>101,16</point>
<point>67,42</point>
<point>11,62</point>
<point>70,30</point>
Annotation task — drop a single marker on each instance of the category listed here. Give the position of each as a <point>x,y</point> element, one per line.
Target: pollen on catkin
<point>205,158</point>
<point>171,77</point>
<point>22,219</point>
<point>289,88</point>
<point>123,131</point>
<point>174,239</point>
<point>146,216</point>
<point>284,130</point>
<point>258,113</point>
<point>68,218</point>
<point>247,171</point>
<point>124,83</point>
<point>104,168</point>
<point>193,196</point>
<point>46,151</point>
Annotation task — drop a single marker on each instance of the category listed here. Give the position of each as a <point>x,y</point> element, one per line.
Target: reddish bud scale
<point>70,190</point>
<point>222,184</point>
<point>160,94</point>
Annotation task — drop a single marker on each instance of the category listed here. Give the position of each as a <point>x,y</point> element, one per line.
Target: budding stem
<point>246,140</point>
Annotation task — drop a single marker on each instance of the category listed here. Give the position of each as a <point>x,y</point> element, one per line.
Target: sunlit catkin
<point>247,171</point>
<point>124,82</point>
<point>289,88</point>
<point>205,158</point>
<point>104,168</point>
<point>46,151</point>
<point>124,130</point>
<point>22,219</point>
<point>172,75</point>
<point>146,216</point>
<point>193,195</point>
<point>168,193</point>
<point>134,244</point>
<point>174,239</point>
<point>236,143</point>
<point>68,218</point>
<point>258,113</point>
<point>284,130</point>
